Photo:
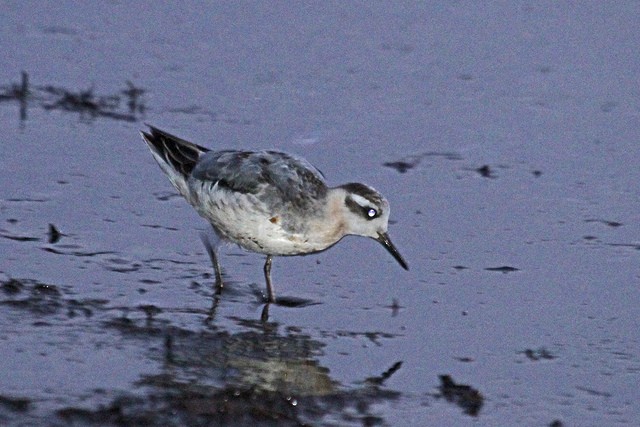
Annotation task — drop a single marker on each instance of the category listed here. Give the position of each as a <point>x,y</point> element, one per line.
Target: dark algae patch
<point>15,404</point>
<point>124,105</point>
<point>465,396</point>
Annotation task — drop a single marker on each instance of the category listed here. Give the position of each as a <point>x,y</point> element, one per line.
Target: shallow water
<point>504,136</point>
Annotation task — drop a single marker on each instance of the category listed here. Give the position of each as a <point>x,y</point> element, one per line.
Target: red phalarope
<point>269,202</point>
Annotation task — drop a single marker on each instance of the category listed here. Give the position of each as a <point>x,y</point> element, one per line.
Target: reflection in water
<point>258,374</point>
<point>261,373</point>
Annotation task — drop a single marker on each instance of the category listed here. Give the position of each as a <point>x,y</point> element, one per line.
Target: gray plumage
<point>278,179</point>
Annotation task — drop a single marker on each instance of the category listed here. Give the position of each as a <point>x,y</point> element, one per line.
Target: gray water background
<point>545,94</point>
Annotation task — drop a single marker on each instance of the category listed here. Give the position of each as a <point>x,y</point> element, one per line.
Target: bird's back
<point>273,175</point>
<point>275,178</point>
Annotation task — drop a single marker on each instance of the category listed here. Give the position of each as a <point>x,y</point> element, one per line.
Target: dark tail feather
<point>181,155</point>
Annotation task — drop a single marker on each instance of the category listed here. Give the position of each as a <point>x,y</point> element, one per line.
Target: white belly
<point>244,220</point>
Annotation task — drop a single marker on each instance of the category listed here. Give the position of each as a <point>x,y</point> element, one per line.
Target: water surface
<point>504,136</point>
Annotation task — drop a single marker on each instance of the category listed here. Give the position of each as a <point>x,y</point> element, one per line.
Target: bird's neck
<point>332,223</point>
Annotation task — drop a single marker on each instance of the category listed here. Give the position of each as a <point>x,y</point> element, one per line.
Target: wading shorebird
<point>269,202</point>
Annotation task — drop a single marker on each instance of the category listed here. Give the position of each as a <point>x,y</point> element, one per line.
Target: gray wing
<point>274,177</point>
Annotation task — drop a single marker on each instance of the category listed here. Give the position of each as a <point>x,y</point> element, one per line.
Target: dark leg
<point>267,276</point>
<point>264,317</point>
<point>214,307</point>
<point>214,260</point>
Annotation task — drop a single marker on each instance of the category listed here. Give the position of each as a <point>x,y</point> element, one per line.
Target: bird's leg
<point>214,307</point>
<point>214,260</point>
<point>264,317</point>
<point>267,276</point>
<point>218,271</point>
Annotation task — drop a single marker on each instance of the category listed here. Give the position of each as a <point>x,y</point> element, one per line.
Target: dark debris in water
<point>164,196</point>
<point>379,380</point>
<point>594,392</point>
<point>294,302</point>
<point>15,404</point>
<point>19,238</point>
<point>485,171</point>
<point>12,287</point>
<point>409,162</point>
<point>503,269</point>
<point>465,396</point>
<point>373,337</point>
<point>635,246</point>
<point>401,166</point>
<point>608,223</point>
<point>74,250</point>
<point>395,307</point>
<point>54,234</point>
<point>126,104</point>
<point>16,91</point>
<point>150,310</point>
<point>44,299</point>
<point>538,354</point>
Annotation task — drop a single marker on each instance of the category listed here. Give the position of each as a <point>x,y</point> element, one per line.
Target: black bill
<point>386,242</point>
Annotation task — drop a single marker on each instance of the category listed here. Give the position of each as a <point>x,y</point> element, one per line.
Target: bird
<point>269,202</point>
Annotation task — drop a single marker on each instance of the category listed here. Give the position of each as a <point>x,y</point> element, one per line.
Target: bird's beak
<point>386,242</point>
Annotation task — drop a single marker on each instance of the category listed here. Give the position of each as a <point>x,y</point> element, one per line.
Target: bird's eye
<point>372,213</point>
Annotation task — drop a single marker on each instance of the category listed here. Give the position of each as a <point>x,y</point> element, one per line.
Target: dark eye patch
<point>366,212</point>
